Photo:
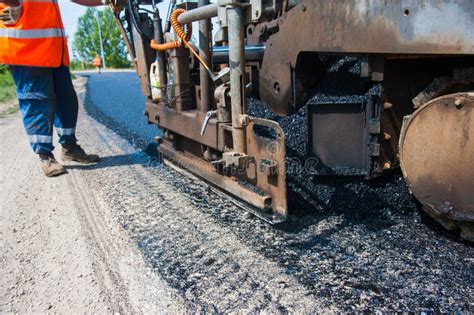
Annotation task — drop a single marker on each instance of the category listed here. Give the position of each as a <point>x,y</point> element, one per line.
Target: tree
<point>86,39</point>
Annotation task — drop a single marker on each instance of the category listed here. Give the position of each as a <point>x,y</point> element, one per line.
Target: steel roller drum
<point>437,156</point>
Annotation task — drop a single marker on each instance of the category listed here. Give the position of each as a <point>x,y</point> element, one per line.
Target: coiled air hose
<point>184,36</point>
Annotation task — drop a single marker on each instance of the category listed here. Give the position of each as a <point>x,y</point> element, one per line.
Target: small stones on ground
<point>248,215</point>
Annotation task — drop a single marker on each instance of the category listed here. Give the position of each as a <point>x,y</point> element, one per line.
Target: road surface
<point>118,96</point>
<point>132,235</point>
<point>62,249</point>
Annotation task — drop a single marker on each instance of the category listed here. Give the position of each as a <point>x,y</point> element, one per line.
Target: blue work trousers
<point>47,97</point>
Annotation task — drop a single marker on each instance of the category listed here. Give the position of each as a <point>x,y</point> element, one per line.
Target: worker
<point>34,45</point>
<point>97,63</point>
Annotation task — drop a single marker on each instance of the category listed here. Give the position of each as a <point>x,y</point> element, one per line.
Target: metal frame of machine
<point>409,52</point>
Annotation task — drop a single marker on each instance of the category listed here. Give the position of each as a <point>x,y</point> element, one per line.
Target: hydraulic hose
<point>184,37</point>
<point>135,22</point>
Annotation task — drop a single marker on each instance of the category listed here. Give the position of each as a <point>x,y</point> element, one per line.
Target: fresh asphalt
<point>115,99</point>
<point>368,248</point>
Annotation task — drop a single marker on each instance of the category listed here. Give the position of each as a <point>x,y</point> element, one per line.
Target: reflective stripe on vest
<point>36,39</point>
<point>29,34</point>
<point>50,1</point>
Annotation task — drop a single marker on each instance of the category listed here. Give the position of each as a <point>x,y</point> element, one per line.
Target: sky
<point>70,13</point>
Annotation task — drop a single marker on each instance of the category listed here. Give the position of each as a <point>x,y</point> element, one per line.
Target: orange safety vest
<point>37,39</point>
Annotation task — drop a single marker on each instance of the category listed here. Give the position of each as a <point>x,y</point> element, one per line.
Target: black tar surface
<point>353,244</point>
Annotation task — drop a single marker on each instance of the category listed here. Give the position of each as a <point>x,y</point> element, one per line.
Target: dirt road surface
<point>133,235</point>
<point>62,249</point>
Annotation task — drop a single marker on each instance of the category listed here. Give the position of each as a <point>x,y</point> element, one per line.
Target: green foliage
<point>7,86</point>
<point>3,69</point>
<point>77,64</point>
<point>87,43</point>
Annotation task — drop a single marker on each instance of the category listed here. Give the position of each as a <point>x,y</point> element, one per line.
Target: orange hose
<point>178,28</point>
<point>165,46</point>
<point>183,35</point>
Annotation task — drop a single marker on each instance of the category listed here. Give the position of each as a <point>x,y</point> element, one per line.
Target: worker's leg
<point>35,91</point>
<point>36,96</point>
<point>66,118</point>
<point>66,106</point>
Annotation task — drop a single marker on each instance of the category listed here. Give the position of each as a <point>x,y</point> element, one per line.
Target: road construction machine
<point>400,94</point>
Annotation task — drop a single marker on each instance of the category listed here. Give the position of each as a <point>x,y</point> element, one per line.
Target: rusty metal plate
<point>362,27</point>
<point>261,183</point>
<point>228,184</point>
<point>338,137</point>
<point>270,169</point>
<point>186,123</point>
<point>437,155</point>
<point>144,56</point>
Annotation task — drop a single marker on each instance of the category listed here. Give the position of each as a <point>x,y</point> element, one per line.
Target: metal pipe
<point>124,34</point>
<point>160,55</point>
<point>204,53</point>
<point>102,54</point>
<point>220,54</point>
<point>201,13</point>
<point>237,75</point>
<point>171,6</point>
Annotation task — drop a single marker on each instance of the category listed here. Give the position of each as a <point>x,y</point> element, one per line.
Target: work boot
<point>74,152</point>
<point>50,166</point>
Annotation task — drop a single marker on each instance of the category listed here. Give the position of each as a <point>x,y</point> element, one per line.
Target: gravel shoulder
<point>8,107</point>
<point>61,247</point>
